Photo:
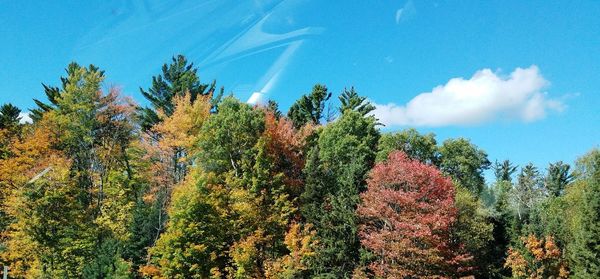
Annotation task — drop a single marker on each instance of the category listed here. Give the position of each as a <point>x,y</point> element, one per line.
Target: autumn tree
<point>232,217</point>
<point>406,218</point>
<point>91,131</point>
<point>539,258</point>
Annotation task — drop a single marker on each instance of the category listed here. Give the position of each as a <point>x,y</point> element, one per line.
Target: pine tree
<point>557,178</point>
<point>350,100</point>
<point>177,79</point>
<point>310,108</point>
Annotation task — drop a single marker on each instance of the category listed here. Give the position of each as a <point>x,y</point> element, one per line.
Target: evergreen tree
<point>177,79</point>
<point>53,93</point>
<point>335,175</point>
<point>310,108</point>
<point>557,178</point>
<point>9,116</point>
<point>504,171</point>
<point>350,100</point>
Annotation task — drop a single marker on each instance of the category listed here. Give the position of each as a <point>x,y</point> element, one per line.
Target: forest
<point>197,184</point>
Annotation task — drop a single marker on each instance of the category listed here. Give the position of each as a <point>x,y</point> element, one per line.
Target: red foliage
<point>406,215</point>
<point>285,145</point>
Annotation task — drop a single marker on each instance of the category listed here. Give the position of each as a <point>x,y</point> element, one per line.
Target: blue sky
<point>521,79</point>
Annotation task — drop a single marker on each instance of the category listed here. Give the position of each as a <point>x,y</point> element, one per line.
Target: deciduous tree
<point>406,218</point>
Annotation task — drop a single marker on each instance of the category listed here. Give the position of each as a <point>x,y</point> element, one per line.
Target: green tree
<point>177,79</point>
<point>504,171</point>
<point>415,145</point>
<point>585,247</point>
<point>310,108</point>
<point>9,128</point>
<point>350,100</point>
<point>557,178</point>
<point>9,116</point>
<point>465,163</point>
<point>474,230</point>
<point>335,174</point>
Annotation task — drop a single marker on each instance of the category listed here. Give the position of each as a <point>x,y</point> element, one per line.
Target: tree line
<point>200,185</point>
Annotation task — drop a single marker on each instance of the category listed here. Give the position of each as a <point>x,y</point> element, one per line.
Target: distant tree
<point>465,163</point>
<point>406,218</point>
<point>528,192</point>
<point>310,108</point>
<point>273,106</point>
<point>504,171</point>
<point>415,145</point>
<point>177,79</point>
<point>557,178</point>
<point>350,100</point>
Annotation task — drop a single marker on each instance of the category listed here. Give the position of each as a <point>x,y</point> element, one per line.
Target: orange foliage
<point>285,147</point>
<point>541,259</point>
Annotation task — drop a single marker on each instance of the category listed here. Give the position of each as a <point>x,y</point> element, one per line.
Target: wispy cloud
<point>404,13</point>
<point>485,97</point>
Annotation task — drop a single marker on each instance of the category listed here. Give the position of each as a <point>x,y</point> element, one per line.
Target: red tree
<point>406,216</point>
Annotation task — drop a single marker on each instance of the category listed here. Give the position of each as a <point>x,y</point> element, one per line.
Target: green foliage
<point>350,100</point>
<point>584,250</point>
<point>465,163</point>
<point>504,171</point>
<point>310,108</point>
<point>9,116</point>
<point>335,174</point>
<point>53,94</point>
<point>416,146</point>
<point>557,178</point>
<point>177,79</point>
<point>474,229</point>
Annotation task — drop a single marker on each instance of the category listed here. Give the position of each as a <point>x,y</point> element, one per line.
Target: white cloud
<point>25,118</point>
<point>484,97</point>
